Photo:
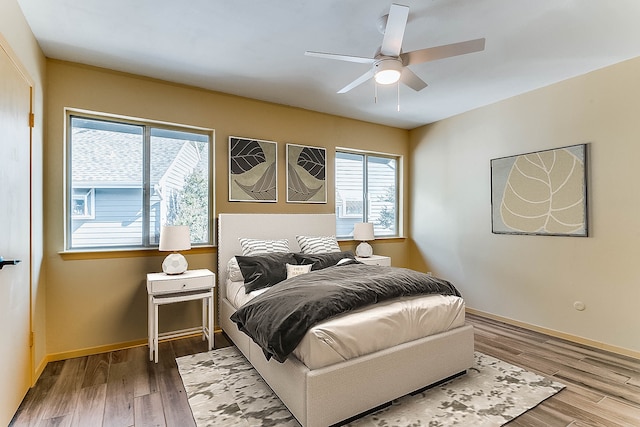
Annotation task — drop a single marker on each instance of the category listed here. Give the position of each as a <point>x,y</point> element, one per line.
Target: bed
<point>328,394</point>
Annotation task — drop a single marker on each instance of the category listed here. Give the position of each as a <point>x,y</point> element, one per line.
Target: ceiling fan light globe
<point>387,71</point>
<point>387,77</point>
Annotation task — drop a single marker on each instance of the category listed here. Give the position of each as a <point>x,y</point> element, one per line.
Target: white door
<point>15,213</point>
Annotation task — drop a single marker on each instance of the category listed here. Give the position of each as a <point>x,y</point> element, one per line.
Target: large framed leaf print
<point>541,193</point>
<point>306,174</point>
<point>253,170</point>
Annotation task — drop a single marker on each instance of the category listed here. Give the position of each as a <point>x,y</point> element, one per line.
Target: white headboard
<point>266,226</point>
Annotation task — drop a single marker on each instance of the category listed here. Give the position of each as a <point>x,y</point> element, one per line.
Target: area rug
<point>224,390</point>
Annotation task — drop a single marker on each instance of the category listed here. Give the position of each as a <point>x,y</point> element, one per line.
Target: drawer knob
<point>184,285</point>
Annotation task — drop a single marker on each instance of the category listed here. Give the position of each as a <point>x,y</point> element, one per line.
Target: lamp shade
<point>174,238</point>
<point>363,231</point>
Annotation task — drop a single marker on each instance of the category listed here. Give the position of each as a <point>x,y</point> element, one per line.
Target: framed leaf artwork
<point>306,174</point>
<point>253,170</point>
<point>541,193</point>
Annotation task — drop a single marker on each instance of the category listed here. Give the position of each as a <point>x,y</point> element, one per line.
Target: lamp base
<point>174,263</point>
<point>364,250</point>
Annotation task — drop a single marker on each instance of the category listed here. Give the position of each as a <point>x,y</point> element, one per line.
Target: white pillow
<point>317,244</point>
<point>259,246</point>
<point>296,270</point>
<point>233,270</point>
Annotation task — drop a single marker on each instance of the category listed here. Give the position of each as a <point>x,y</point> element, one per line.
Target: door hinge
<point>32,119</point>
<point>31,339</point>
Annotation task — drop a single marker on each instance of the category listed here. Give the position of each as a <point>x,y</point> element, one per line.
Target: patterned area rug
<point>224,390</point>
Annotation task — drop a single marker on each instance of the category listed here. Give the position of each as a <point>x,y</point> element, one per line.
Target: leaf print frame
<point>306,174</point>
<point>542,193</point>
<point>253,170</point>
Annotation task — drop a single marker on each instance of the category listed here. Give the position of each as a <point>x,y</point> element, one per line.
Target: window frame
<point>365,192</point>
<point>147,125</point>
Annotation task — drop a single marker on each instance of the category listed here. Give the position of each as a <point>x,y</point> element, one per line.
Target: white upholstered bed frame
<point>322,397</point>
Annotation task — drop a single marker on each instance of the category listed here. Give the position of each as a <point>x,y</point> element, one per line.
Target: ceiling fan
<point>390,64</point>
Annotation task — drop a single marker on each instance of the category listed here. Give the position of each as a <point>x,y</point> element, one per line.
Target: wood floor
<point>123,388</point>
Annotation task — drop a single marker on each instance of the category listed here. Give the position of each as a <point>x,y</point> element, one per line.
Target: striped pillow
<point>258,246</point>
<point>317,244</point>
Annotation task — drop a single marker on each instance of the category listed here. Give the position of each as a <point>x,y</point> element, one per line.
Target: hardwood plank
<point>63,396</point>
<point>149,411</point>
<point>541,415</point>
<point>538,364</point>
<point>559,360</point>
<point>586,393</point>
<point>585,411</point>
<point>53,369</point>
<point>618,359</point>
<point>90,408</point>
<point>634,376</point>
<point>191,345</point>
<point>62,421</point>
<point>622,391</point>
<point>142,378</point>
<point>177,411</point>
<point>97,370</point>
<point>626,413</point>
<point>495,347</point>
<point>635,381</point>
<point>118,410</point>
<point>34,404</point>
<point>514,334</point>
<point>120,356</point>
<point>221,340</point>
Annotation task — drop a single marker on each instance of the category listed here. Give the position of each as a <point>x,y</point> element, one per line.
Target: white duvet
<point>369,329</point>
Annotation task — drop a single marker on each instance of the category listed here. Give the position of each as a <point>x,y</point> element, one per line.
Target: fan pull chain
<point>375,92</point>
<point>398,86</point>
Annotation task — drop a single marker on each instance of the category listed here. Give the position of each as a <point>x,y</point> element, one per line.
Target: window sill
<point>77,254</point>
<point>377,239</point>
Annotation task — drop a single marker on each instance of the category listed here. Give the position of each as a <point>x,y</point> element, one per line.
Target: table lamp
<point>174,238</point>
<point>363,231</point>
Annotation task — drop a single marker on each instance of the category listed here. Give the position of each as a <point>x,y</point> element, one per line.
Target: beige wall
<point>535,279</point>
<point>17,34</point>
<point>97,301</point>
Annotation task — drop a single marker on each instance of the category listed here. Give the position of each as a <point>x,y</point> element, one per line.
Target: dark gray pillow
<point>265,270</point>
<point>320,261</point>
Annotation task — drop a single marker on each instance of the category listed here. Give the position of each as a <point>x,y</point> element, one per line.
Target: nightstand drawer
<point>189,281</point>
<point>376,260</point>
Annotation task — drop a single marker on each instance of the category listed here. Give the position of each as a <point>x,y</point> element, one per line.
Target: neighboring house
<point>107,177</point>
<point>381,206</point>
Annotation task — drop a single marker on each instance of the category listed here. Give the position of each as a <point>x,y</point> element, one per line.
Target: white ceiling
<point>255,48</point>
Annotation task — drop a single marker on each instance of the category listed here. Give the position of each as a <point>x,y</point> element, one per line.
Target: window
<point>82,203</point>
<point>366,191</point>
<point>127,178</point>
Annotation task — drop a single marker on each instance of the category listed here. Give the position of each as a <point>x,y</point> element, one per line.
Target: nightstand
<point>189,286</point>
<point>376,260</point>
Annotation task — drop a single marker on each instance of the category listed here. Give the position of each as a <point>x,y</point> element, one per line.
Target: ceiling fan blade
<point>394,32</point>
<point>410,78</point>
<point>340,57</point>
<point>357,82</point>
<point>440,52</point>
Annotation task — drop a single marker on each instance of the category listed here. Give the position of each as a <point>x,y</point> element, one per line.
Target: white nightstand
<point>376,260</point>
<point>188,286</point>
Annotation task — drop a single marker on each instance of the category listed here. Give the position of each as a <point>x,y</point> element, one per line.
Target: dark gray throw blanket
<point>278,319</point>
